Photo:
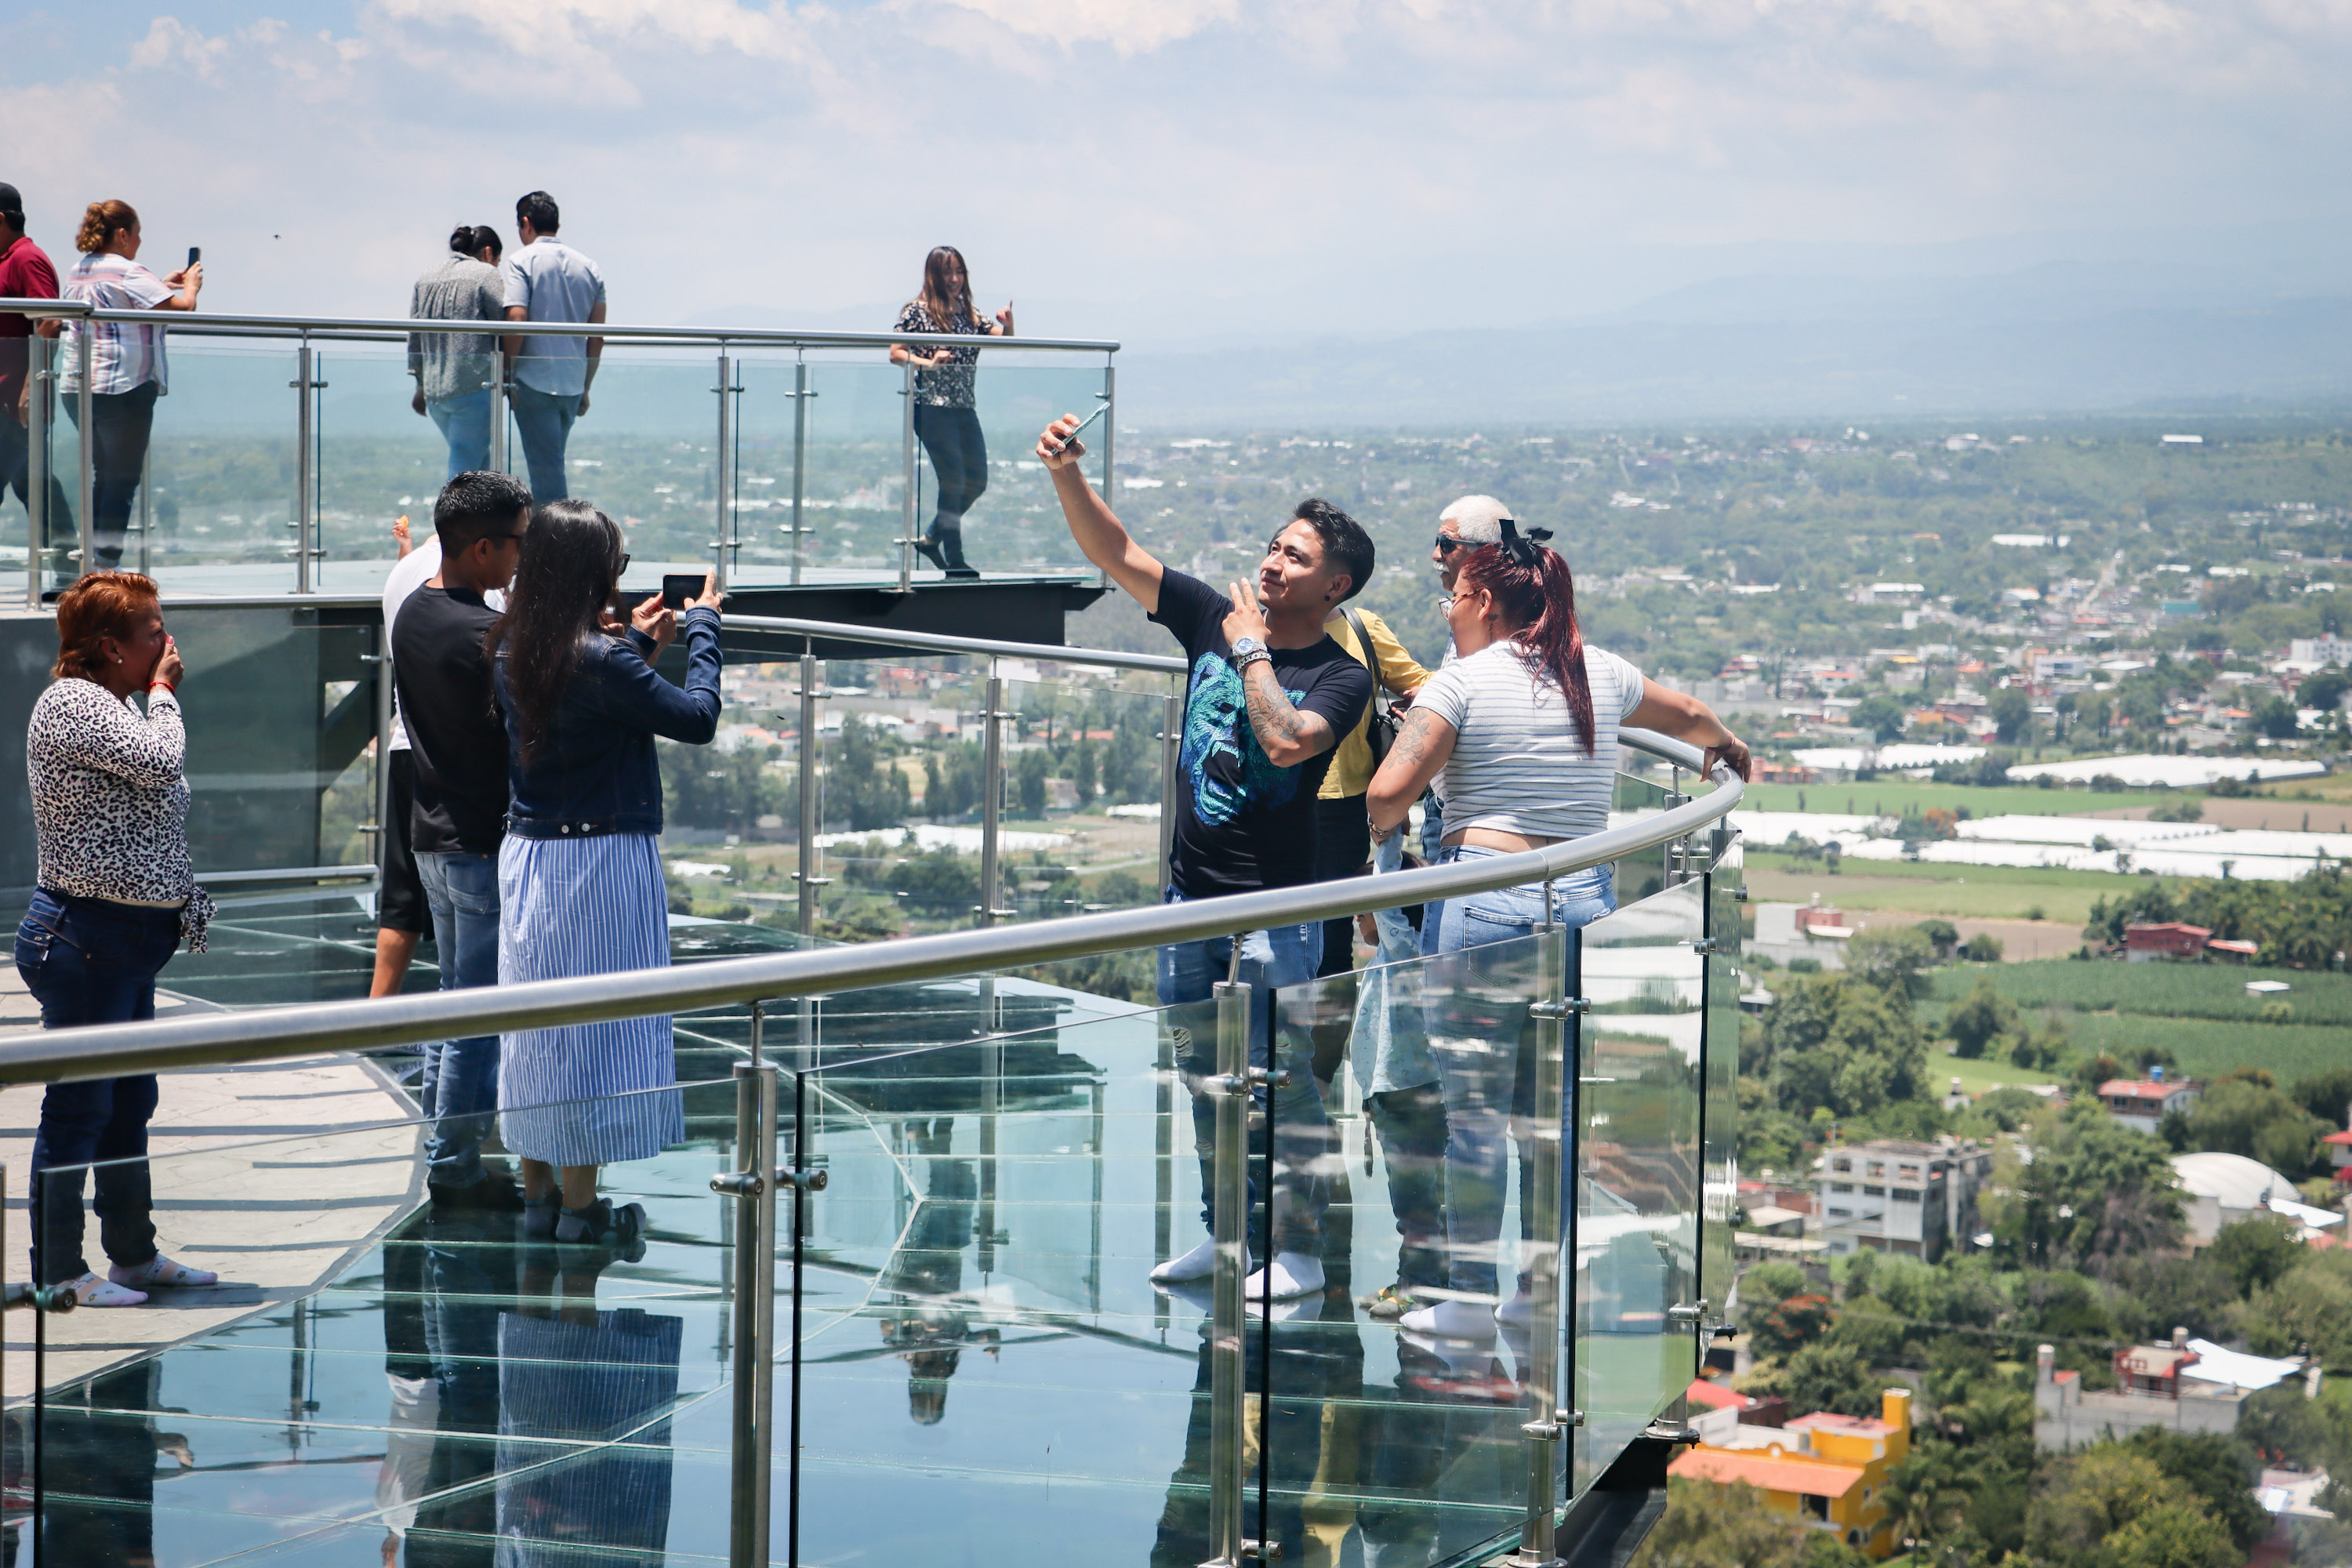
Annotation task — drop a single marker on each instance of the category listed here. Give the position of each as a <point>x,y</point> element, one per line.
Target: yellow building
<point>1828,1471</point>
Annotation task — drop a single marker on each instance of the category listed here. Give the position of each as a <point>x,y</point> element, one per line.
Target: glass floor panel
<point>986,1368</point>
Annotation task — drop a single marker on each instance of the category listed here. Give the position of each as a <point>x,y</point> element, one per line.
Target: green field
<point>1982,892</point>
<point>1893,797</point>
<point>2199,1012</point>
<point>1980,1074</point>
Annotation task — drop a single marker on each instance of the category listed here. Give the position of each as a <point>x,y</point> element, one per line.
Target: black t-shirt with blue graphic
<point>1242,823</point>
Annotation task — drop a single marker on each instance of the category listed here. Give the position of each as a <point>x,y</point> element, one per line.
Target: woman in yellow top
<point>1343,836</point>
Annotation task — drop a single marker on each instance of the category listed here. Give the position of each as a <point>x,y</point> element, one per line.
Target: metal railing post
<point>1172,739</point>
<point>1109,431</point>
<point>806,876</point>
<point>146,488</point>
<point>86,449</point>
<point>907,502</point>
<point>753,1187</point>
<point>801,394</point>
<point>38,378</point>
<point>1542,1427</point>
<point>992,794</point>
<point>724,542</point>
<point>501,461</point>
<point>385,695</point>
<point>305,467</point>
<point>1229,1207</point>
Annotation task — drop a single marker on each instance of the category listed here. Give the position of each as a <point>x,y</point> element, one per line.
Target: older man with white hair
<point>1469,522</point>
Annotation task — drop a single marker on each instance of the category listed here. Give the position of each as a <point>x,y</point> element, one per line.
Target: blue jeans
<point>91,961</point>
<point>1485,1044</point>
<point>464,423</point>
<point>461,1077</point>
<point>543,420</point>
<point>1285,956</point>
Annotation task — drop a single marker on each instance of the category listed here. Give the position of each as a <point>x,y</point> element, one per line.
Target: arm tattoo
<point>1277,723</point>
<point>1414,742</point>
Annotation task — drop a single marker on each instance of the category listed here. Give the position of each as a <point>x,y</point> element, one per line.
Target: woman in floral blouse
<point>944,417</point>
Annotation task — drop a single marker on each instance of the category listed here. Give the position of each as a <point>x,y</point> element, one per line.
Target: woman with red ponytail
<point>1523,726</point>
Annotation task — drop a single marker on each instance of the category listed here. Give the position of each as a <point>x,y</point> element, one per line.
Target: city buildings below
<point>1901,1195</point>
<point>2142,1104</point>
<point>2184,1385</point>
<point>1828,1472</point>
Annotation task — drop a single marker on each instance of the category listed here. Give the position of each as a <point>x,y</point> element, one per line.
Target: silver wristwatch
<point>1247,651</point>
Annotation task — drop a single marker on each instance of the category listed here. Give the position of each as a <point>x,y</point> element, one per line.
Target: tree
<point>1942,935</point>
<point>1842,1046</point>
<point>1800,1320</point>
<point>1892,959</point>
<point>2241,1116</point>
<point>2097,1191</point>
<point>862,780</point>
<point>2326,1094</point>
<point>1030,774</point>
<point>1982,948</point>
<point>2173,1535</point>
<point>1882,716</point>
<point>2012,715</point>
<point>2087,1497</point>
<point>2308,1306</point>
<point>1979,1019</point>
<point>2322,690</point>
<point>2276,718</point>
<point>2219,1469</point>
<point>1827,1375</point>
<point>2256,1252</point>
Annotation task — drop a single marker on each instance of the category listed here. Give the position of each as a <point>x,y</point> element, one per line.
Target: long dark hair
<point>571,565</point>
<point>936,296</point>
<point>1533,586</point>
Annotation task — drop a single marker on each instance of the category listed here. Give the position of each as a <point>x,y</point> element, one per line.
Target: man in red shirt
<point>24,274</point>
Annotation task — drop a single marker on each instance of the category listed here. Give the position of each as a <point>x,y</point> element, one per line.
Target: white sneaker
<point>1450,1320</point>
<point>1518,1312</point>
<point>1197,1264</point>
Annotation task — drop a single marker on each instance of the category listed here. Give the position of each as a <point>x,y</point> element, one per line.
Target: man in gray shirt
<point>453,370</point>
<point>547,280</point>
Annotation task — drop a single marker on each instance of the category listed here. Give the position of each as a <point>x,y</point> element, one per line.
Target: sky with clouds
<point>1167,171</point>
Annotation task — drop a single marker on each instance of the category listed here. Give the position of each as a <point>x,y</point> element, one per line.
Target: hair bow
<point>1522,551</point>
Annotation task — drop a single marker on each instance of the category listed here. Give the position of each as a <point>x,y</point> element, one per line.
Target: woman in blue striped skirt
<point>579,877</point>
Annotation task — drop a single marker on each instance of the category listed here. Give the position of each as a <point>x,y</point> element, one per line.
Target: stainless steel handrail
<point>193,322</point>
<point>933,642</point>
<point>111,1050</point>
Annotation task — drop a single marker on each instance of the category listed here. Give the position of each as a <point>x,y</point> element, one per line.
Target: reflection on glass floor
<point>986,1368</point>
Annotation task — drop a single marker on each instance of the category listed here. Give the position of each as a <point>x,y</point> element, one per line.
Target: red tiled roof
<point>2140,1088</point>
<point>1715,1394</point>
<point>1811,1477</point>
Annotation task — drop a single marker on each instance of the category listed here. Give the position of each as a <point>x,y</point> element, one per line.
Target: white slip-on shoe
<point>89,1290</point>
<point>1451,1321</point>
<point>1292,1274</point>
<point>1197,1264</point>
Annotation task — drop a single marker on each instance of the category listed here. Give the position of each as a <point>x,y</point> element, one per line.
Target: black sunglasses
<point>624,567</point>
<point>1448,544</point>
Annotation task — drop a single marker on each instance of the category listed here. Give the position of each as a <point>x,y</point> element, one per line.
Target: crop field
<point>2160,990</point>
<point>1893,797</point>
<point>1982,892</point>
<point>2199,1012</point>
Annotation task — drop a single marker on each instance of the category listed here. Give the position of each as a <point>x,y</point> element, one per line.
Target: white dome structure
<point>2223,1189</point>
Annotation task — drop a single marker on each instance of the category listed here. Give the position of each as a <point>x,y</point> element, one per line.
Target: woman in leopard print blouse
<point>116,897</point>
<point>946,418</point>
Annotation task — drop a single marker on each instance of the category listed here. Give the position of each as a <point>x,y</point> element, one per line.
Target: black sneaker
<point>620,1231</point>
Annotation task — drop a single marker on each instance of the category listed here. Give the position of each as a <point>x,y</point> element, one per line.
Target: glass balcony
<point>285,450</point>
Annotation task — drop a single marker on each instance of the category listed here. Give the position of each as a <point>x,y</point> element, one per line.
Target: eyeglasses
<point>1448,544</point>
<point>624,567</point>
<point>1444,602</point>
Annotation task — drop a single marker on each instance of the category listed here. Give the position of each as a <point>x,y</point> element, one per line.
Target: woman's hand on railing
<point>1732,752</point>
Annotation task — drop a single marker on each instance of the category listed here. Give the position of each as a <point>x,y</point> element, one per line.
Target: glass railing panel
<point>854,466</point>
<point>1637,1168</point>
<point>1012,522</point>
<point>769,453</point>
<point>56,550</point>
<point>384,451</point>
<point>1403,1148</point>
<point>1726,980</point>
<point>1082,794</point>
<point>215,511</point>
<point>644,450</point>
<point>373,1360</point>
<point>985,1362</point>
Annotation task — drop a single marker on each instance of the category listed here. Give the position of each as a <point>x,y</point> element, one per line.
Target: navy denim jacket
<point>597,772</point>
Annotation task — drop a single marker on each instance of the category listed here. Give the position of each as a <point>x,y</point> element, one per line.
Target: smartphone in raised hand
<point>196,254</point>
<point>1100,409</point>
<point>680,588</point>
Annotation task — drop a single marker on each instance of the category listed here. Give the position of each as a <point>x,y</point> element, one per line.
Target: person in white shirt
<point>127,369</point>
<point>547,280</point>
<point>1523,723</point>
<point>402,916</point>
